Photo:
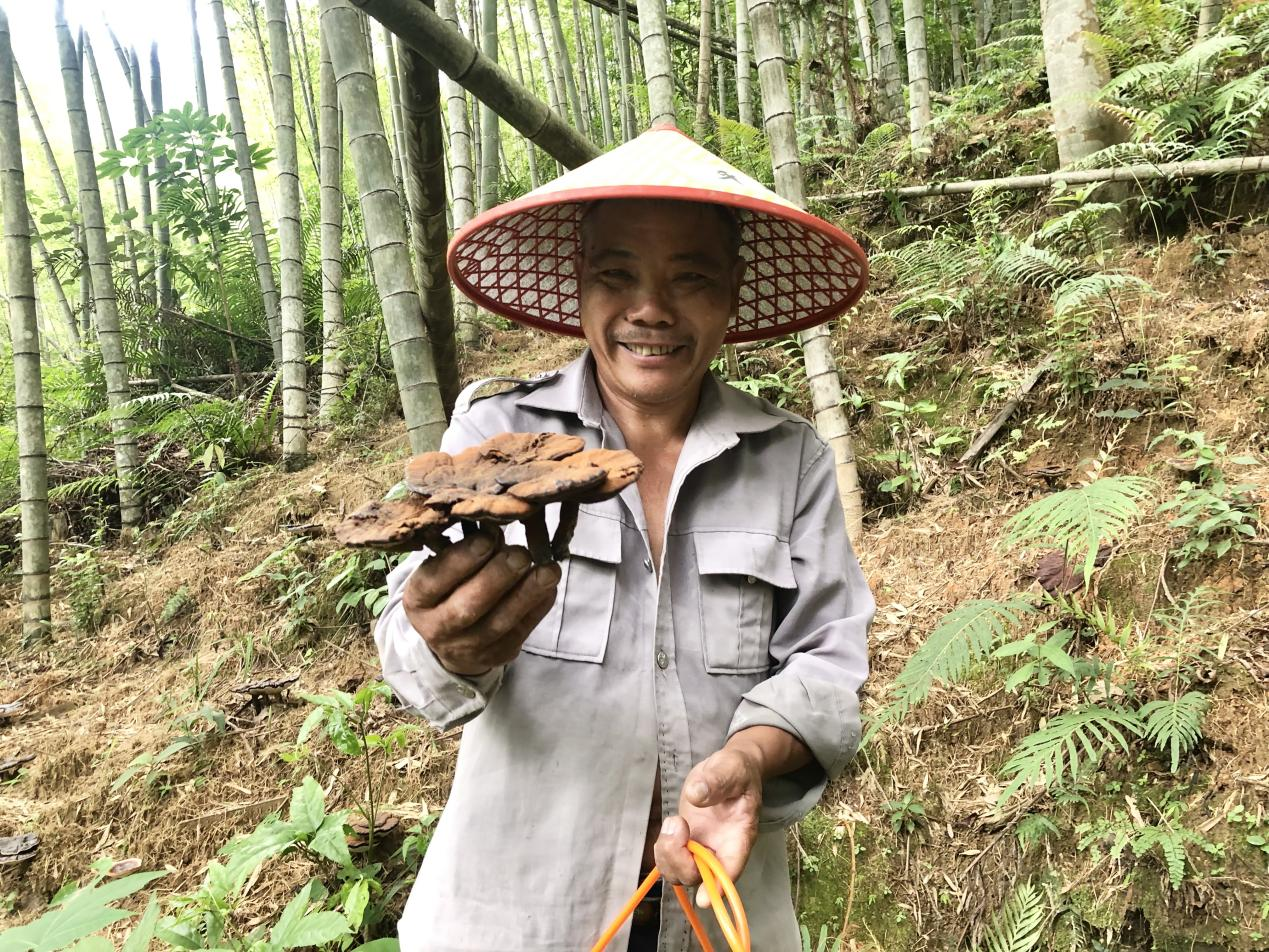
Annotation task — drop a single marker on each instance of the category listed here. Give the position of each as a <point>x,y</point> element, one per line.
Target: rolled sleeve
<point>818,649</point>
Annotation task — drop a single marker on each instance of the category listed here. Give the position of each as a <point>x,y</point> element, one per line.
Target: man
<point>692,669</point>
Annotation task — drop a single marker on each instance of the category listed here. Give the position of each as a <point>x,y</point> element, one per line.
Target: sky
<point>137,23</point>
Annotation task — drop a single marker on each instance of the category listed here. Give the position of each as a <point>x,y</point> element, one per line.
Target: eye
<point>615,276</point>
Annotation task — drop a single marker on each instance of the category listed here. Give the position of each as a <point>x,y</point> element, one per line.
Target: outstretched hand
<point>719,809</point>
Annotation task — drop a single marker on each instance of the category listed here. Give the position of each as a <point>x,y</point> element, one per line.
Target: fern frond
<point>1018,926</point>
<point>1134,153</point>
<point>1082,518</point>
<point>1171,844</point>
<point>1208,51</point>
<point>1067,745</point>
<point>1143,122</point>
<point>1025,264</point>
<point>1086,295</point>
<point>1174,725</point>
<point>966,634</point>
<point>86,488</point>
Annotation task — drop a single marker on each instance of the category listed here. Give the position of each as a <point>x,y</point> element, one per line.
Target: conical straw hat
<point>517,259</point>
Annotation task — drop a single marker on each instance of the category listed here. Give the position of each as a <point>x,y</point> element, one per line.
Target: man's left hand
<point>719,809</point>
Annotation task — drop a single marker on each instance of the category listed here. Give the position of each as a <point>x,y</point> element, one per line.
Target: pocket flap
<point>753,554</point>
<point>596,538</point>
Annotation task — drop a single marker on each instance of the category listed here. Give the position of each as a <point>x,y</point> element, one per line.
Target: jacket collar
<point>723,410</point>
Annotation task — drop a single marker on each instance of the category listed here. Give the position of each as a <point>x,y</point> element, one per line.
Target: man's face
<point>659,282</point>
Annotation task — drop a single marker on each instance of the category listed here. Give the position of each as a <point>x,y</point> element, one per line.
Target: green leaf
<point>1018,926</point>
<point>308,806</point>
<point>82,913</point>
<point>1175,725</point>
<point>143,932</point>
<point>296,927</point>
<point>330,841</point>
<point>355,904</point>
<point>380,945</point>
<point>1081,519</point>
<point>1067,744</point>
<point>268,839</point>
<point>966,634</point>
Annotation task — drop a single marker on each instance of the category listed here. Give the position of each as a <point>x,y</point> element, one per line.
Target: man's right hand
<point>476,602</point>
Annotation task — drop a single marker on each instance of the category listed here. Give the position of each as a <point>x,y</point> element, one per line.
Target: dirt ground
<point>95,702</point>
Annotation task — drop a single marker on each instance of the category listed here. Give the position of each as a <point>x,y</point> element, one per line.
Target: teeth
<point>646,350</point>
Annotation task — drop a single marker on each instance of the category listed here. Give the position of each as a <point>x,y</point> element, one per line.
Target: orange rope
<point>723,897</point>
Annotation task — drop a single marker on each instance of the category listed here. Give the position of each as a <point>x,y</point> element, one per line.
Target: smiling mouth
<point>651,350</point>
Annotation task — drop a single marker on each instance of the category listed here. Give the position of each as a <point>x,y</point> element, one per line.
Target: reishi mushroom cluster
<point>510,477</point>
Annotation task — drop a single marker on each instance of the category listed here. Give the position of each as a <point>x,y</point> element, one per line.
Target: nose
<point>651,306</point>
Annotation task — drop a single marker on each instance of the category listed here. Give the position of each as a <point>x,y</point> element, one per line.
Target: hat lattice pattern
<point>522,266</point>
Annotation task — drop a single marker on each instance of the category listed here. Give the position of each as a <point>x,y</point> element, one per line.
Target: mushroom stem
<point>537,537</point>
<point>564,531</point>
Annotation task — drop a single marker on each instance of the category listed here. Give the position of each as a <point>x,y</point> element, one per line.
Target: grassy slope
<point>100,700</point>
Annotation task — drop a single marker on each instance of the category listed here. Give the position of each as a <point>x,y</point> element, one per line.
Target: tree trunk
<point>744,98</point>
<point>149,226</point>
<point>1210,12</point>
<point>200,93</point>
<point>407,334</point>
<point>984,12</point>
<point>63,195</point>
<point>448,50</point>
<point>114,367</point>
<point>527,82</point>
<point>601,74</point>
<point>654,45</point>
<point>425,178</point>
<point>250,197</point>
<point>918,77</point>
<point>720,67</point>
<point>490,133</point>
<point>702,127</point>
<point>163,250</point>
<point>626,72</point>
<point>304,79</point>
<point>864,30</point>
<point>28,386</point>
<point>59,292</point>
<point>553,83</point>
<point>564,66</point>
<point>265,69</point>
<point>462,177</point>
<point>958,52</point>
<point>889,91</point>
<point>290,245</point>
<point>331,200</point>
<point>821,370</point>
<point>121,193</point>
<point>1076,76</point>
<point>394,113</point>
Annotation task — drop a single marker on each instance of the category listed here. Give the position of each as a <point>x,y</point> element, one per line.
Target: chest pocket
<point>739,573</point>
<point>576,629</point>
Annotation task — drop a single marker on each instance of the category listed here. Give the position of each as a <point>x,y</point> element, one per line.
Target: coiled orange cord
<point>723,897</point>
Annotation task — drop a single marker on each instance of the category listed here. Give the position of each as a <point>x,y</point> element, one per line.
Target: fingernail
<point>667,826</point>
<point>517,560</point>
<point>699,790</point>
<point>545,576</point>
<point>481,545</point>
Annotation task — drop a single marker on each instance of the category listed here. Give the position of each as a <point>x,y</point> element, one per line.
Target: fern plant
<point>1019,925</point>
<point>1081,519</point>
<point>965,635</point>
<point>1067,745</point>
<point>1175,725</point>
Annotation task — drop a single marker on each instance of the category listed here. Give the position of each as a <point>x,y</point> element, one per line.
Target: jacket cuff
<point>422,684</point>
<point>822,716</point>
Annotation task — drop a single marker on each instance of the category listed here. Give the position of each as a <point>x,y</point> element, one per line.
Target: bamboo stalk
<point>290,248</point>
<point>246,174</point>
<point>449,51</point>
<point>658,69</point>
<point>512,29</point>
<point>331,201</point>
<point>27,380</point>
<point>110,340</point>
<point>59,292</point>
<point>625,70</point>
<point>601,74</point>
<point>679,30</point>
<point>385,233</point>
<point>1128,173</point>
<point>424,163</point>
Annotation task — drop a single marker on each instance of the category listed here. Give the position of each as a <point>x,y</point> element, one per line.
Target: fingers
<point>720,777</point>
<point>434,580</point>
<point>672,855</point>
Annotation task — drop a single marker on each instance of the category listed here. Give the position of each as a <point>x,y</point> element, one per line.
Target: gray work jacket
<point>759,617</point>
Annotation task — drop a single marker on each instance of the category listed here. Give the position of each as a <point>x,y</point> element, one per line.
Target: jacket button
<point>663,660</point>
<point>751,579</point>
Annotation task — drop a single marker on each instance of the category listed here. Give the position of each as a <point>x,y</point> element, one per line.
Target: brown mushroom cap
<point>267,685</point>
<point>508,478</point>
<point>396,524</point>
